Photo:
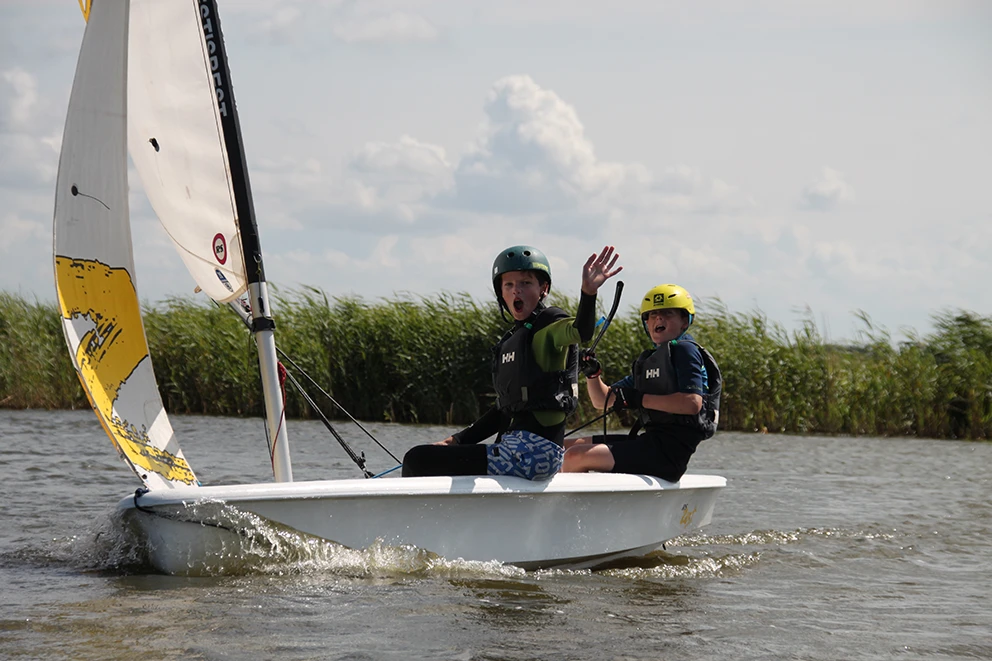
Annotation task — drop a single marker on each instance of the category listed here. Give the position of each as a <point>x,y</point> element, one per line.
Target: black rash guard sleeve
<point>585,316</point>
<point>481,429</point>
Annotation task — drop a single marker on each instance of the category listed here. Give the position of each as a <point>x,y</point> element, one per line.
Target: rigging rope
<point>335,402</point>
<point>358,459</point>
<point>244,311</point>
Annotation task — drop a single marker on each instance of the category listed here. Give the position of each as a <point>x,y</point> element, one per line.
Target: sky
<point>801,159</point>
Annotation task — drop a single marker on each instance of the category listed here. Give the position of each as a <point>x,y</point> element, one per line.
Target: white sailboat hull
<point>572,520</point>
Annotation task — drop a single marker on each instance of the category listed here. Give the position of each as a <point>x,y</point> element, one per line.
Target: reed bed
<point>35,367</point>
<point>427,360</point>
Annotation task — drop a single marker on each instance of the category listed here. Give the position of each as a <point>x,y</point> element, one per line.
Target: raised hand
<point>598,269</point>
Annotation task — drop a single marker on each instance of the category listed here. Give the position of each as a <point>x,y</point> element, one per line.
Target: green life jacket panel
<point>520,383</point>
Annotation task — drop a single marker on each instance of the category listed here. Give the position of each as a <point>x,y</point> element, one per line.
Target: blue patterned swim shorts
<point>524,454</point>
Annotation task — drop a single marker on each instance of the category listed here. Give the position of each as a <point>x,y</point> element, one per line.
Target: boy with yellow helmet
<point>535,375</point>
<point>675,388</point>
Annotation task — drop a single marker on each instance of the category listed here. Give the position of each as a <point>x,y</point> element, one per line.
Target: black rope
<point>244,311</point>
<point>358,459</point>
<point>592,347</point>
<point>335,402</point>
<point>596,419</point>
<point>609,317</point>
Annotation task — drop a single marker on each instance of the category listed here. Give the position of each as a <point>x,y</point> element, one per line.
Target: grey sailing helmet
<point>521,258</point>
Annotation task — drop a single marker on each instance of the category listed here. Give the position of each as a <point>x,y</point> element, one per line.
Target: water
<point>820,548</point>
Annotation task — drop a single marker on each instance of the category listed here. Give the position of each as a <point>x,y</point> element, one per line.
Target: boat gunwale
<point>425,486</point>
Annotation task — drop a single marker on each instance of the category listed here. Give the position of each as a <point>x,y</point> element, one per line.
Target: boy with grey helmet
<point>534,375</point>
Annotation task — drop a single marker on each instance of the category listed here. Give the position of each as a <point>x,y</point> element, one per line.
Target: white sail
<point>177,144</point>
<point>94,265</point>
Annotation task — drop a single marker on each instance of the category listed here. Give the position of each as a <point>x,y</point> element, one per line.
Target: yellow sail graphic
<point>110,352</point>
<point>85,6</point>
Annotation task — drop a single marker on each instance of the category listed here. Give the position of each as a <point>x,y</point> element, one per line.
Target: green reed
<point>35,367</point>
<point>427,359</point>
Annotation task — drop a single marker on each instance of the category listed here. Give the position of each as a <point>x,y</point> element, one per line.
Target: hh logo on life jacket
<point>650,374</point>
<point>508,357</point>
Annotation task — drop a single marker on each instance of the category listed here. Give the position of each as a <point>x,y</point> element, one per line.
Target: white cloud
<point>382,254</point>
<point>827,192</point>
<point>459,253</point>
<point>349,22</point>
<point>28,156</point>
<point>280,25</point>
<point>285,186</point>
<point>277,176</point>
<point>407,170</point>
<point>305,265</point>
<point>20,106</point>
<point>26,160</point>
<point>530,165</point>
<point>532,155</point>
<point>393,27</point>
<point>15,230</point>
<point>685,188</point>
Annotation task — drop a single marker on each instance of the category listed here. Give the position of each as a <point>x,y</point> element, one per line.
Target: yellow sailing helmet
<point>667,297</point>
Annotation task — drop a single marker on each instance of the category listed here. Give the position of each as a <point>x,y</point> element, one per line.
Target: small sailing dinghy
<point>152,79</point>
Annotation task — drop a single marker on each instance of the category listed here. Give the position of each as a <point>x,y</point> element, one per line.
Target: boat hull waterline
<point>570,521</point>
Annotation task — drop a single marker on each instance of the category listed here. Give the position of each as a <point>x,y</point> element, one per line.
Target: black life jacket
<point>654,374</point>
<point>520,383</point>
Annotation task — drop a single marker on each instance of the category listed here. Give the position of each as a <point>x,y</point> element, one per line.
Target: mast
<point>263,325</point>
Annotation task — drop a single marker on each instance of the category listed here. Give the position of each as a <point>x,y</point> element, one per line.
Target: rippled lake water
<point>820,548</point>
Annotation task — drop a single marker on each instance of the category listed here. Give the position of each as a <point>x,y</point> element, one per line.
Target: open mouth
<point>518,305</point>
<point>660,328</point>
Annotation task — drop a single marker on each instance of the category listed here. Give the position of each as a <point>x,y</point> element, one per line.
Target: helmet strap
<point>503,311</point>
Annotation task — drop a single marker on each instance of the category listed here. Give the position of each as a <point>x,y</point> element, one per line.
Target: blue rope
<point>387,472</point>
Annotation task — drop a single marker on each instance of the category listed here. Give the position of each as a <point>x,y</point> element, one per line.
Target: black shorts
<point>660,451</point>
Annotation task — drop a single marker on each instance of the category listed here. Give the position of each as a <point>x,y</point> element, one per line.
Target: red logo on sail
<point>220,248</point>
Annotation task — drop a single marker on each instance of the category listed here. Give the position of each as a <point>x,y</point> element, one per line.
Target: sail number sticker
<point>223,280</point>
<point>220,249</point>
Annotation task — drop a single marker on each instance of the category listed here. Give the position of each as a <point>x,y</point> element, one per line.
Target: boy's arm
<point>683,403</point>
<point>598,391</point>
<point>585,317</point>
<point>690,370</point>
<point>601,394</point>
<point>479,430</point>
<point>597,270</point>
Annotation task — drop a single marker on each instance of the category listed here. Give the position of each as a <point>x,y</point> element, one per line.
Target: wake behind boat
<point>177,118</point>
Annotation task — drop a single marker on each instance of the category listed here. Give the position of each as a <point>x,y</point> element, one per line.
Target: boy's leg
<point>445,460</point>
<point>592,453</point>
<point>524,454</point>
<point>588,457</point>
